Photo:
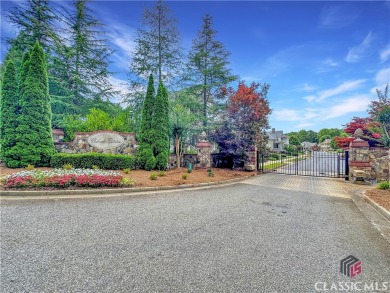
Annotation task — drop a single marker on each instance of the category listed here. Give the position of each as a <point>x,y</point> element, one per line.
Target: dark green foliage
<point>162,160</point>
<point>34,138</point>
<point>104,161</point>
<point>9,113</point>
<point>143,156</point>
<point>87,56</point>
<point>150,162</point>
<point>208,69</point>
<point>147,114</point>
<point>160,128</point>
<point>146,129</point>
<point>157,46</point>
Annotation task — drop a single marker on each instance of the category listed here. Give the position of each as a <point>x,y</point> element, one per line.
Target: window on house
<point>276,145</point>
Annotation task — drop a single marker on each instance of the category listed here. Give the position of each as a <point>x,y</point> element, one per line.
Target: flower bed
<point>60,178</point>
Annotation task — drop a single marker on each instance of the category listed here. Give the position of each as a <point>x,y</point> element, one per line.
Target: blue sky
<point>323,59</point>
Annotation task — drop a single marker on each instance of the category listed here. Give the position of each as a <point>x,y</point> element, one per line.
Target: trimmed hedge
<point>87,160</point>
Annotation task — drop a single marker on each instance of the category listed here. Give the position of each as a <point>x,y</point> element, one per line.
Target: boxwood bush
<point>87,160</point>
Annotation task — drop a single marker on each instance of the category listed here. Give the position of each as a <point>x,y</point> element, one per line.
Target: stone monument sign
<point>105,140</point>
<point>101,141</point>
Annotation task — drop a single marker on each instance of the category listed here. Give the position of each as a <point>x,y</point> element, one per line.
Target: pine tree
<point>160,128</point>
<point>9,113</point>
<point>87,56</point>
<point>34,138</point>
<point>158,48</point>
<point>145,152</point>
<point>35,19</point>
<point>157,51</point>
<point>208,67</point>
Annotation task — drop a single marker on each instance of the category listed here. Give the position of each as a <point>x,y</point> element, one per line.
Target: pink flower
<point>376,135</point>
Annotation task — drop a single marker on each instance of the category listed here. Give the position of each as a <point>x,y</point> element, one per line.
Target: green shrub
<point>67,167</point>
<point>145,159</point>
<point>190,152</point>
<point>161,173</point>
<point>184,176</point>
<point>29,167</point>
<point>162,160</point>
<point>210,173</point>
<point>88,160</point>
<point>275,156</point>
<point>153,176</point>
<point>384,185</point>
<point>150,163</point>
<point>95,167</point>
<point>126,170</point>
<point>127,182</point>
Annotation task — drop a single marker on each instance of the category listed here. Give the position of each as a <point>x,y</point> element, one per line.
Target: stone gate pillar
<point>359,156</point>
<point>203,148</point>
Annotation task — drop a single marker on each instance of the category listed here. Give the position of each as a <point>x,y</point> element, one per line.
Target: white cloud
<point>119,85</point>
<point>383,76</point>
<point>337,16</point>
<point>342,88</point>
<point>304,125</point>
<point>280,62</point>
<point>357,103</point>
<point>357,52</point>
<point>385,54</point>
<point>306,87</point>
<point>287,115</point>
<point>311,98</point>
<point>330,62</point>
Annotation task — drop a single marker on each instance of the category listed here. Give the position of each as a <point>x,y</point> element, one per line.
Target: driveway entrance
<point>305,163</point>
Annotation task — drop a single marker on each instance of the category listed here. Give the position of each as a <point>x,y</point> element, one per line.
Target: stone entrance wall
<point>375,162</point>
<point>103,141</point>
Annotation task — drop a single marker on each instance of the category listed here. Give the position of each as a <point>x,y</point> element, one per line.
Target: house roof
<point>276,135</point>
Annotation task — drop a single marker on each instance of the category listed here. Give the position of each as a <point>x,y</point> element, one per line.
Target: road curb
<point>379,221</point>
<point>4,194</point>
<point>376,206</point>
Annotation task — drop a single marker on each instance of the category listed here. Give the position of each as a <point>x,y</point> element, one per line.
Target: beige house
<point>325,145</point>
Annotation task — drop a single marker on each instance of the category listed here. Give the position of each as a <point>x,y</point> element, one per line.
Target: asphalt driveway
<point>272,233</point>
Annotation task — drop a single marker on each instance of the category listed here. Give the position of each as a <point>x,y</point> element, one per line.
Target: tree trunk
<point>177,147</point>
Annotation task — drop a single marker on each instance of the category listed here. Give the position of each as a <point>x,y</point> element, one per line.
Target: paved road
<point>272,233</point>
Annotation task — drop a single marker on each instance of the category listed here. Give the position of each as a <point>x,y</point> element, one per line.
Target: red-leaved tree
<point>246,120</point>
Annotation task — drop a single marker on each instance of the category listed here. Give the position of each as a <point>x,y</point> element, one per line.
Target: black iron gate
<point>305,163</point>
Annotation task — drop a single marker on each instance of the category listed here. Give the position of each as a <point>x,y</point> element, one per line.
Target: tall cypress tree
<point>34,138</point>
<point>9,113</point>
<point>145,153</point>
<point>160,128</point>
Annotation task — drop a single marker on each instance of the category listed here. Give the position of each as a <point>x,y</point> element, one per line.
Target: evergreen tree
<point>35,19</point>
<point>87,56</point>
<point>208,67</point>
<point>145,152</point>
<point>158,48</point>
<point>160,128</point>
<point>157,51</point>
<point>9,113</point>
<point>34,138</point>
<point>36,22</point>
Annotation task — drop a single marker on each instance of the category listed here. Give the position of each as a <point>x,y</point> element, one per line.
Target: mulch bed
<point>381,197</point>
